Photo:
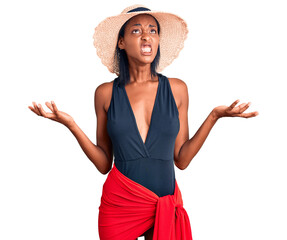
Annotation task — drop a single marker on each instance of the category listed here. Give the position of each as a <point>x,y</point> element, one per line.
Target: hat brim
<point>173,32</point>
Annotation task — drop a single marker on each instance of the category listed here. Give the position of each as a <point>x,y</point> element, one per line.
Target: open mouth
<point>146,49</point>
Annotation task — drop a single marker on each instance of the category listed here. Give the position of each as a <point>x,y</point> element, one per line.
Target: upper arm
<point>180,92</point>
<point>102,100</point>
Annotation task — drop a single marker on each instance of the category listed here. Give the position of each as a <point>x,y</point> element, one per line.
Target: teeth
<point>146,49</point>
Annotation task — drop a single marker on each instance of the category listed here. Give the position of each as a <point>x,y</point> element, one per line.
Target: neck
<point>140,74</point>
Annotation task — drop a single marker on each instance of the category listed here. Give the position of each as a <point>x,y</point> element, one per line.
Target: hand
<point>56,115</point>
<point>232,111</point>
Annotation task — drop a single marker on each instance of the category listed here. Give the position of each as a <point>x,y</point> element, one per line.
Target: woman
<point>142,120</point>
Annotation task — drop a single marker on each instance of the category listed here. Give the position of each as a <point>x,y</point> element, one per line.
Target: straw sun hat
<point>173,32</point>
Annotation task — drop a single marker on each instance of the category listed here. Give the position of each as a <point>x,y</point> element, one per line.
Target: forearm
<point>191,147</point>
<point>97,156</point>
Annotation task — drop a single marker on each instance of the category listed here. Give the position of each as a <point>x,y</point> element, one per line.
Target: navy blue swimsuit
<point>149,163</point>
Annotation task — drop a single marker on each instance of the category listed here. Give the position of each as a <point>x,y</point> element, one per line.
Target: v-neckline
<point>152,114</point>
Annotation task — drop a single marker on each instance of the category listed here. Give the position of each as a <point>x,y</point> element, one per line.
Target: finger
<point>33,110</point>
<point>49,106</point>
<point>234,104</point>
<point>36,109</point>
<point>243,107</point>
<point>248,115</point>
<point>55,107</point>
<point>43,113</point>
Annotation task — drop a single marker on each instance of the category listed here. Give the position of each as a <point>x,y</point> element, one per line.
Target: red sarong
<point>129,209</point>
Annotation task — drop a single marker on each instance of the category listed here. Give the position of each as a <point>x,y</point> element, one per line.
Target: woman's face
<point>140,40</point>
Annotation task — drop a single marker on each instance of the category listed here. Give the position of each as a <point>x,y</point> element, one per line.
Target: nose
<point>145,36</point>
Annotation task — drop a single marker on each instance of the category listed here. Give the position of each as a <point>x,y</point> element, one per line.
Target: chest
<point>142,103</point>
<point>143,112</point>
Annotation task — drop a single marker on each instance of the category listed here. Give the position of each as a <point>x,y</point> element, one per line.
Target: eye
<point>153,31</point>
<point>135,31</point>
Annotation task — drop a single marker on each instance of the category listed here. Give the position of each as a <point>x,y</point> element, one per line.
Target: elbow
<point>105,170</point>
<point>180,160</point>
<point>181,165</point>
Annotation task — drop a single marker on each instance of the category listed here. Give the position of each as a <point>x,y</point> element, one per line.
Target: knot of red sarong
<point>171,220</point>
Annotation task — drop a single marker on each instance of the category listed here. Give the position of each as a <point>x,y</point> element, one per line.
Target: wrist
<point>214,116</point>
<point>71,125</point>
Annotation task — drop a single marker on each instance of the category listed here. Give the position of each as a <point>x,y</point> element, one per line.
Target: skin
<point>141,92</point>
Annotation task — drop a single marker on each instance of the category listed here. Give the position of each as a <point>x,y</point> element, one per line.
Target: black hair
<point>124,74</point>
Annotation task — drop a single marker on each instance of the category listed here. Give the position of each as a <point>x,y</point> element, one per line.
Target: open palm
<point>232,111</point>
<point>55,115</point>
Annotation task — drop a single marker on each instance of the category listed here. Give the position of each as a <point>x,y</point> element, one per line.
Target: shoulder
<point>103,94</point>
<point>104,88</point>
<point>177,83</point>
<point>179,89</point>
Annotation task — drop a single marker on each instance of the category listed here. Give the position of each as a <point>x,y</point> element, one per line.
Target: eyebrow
<point>138,24</point>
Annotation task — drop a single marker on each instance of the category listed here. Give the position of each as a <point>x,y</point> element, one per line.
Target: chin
<point>143,60</point>
<point>147,59</point>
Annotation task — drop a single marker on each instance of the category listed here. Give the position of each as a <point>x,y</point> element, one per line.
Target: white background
<point>235,187</point>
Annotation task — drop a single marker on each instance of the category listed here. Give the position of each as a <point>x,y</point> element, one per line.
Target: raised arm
<point>185,148</point>
<point>100,154</point>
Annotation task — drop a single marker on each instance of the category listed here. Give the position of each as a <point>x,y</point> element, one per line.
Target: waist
<point>154,174</point>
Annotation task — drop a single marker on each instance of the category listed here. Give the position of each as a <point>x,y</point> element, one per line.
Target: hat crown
<point>126,10</point>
